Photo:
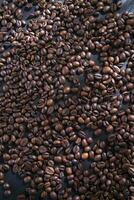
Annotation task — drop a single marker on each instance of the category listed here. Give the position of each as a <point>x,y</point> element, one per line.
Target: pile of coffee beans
<point>67,99</point>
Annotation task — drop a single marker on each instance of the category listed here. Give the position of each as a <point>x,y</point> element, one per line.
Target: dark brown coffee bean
<point>58,159</point>
<point>131,189</point>
<point>65,70</point>
<point>131,117</point>
<point>68,170</point>
<point>50,102</point>
<point>24,142</point>
<point>67,90</point>
<point>109,129</point>
<point>21,197</point>
<point>131,171</point>
<point>130,22</point>
<point>80,120</point>
<point>6,186</point>
<point>98,132</point>
<point>7,193</point>
<point>53,195</point>
<point>49,170</point>
<point>1,176</point>
<point>27,179</point>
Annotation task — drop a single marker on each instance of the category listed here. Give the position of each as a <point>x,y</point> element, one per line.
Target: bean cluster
<point>66,119</point>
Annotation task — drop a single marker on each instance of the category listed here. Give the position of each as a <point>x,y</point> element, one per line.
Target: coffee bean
<point>58,159</point>
<point>67,90</point>
<point>131,117</point>
<point>43,194</point>
<point>6,186</point>
<point>1,176</point>
<point>80,120</point>
<point>27,179</point>
<point>69,170</point>
<point>49,170</point>
<point>130,22</point>
<point>50,102</point>
<point>53,195</point>
<point>131,171</point>
<point>109,129</point>
<point>21,197</point>
<point>98,132</point>
<point>84,156</point>
<point>7,193</point>
<point>24,142</point>
<point>131,189</point>
<point>65,70</point>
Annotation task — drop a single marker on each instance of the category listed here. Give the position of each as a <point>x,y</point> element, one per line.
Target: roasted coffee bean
<point>109,129</point>
<point>49,170</point>
<point>53,195</point>
<point>1,175</point>
<point>24,142</point>
<point>131,189</point>
<point>7,193</point>
<point>21,197</point>
<point>131,171</point>
<point>27,179</point>
<point>84,156</point>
